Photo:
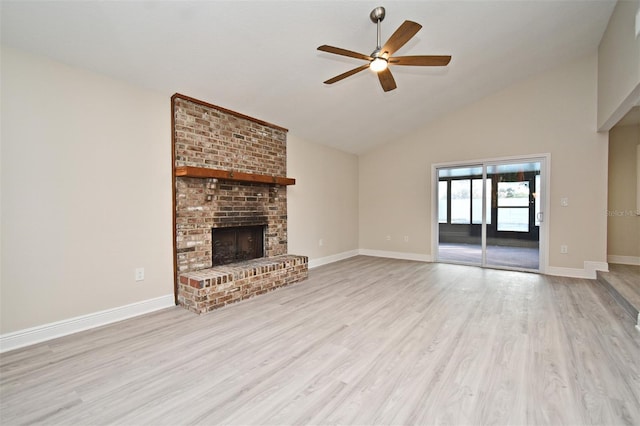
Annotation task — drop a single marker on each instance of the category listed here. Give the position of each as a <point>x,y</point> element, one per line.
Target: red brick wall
<point>206,290</point>
<point>208,137</point>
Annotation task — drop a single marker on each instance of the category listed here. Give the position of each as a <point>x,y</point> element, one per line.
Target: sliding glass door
<point>460,214</point>
<point>490,214</point>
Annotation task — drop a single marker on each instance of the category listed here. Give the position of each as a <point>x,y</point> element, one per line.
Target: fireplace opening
<point>236,244</point>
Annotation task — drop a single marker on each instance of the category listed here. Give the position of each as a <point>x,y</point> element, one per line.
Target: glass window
<point>513,219</point>
<point>512,194</point>
<point>461,201</point>
<point>476,201</point>
<point>443,196</point>
<point>536,197</point>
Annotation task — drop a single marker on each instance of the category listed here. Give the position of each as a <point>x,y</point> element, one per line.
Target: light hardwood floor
<point>362,341</point>
<point>623,284</point>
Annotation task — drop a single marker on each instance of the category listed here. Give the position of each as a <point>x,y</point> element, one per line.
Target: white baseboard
<point>624,260</point>
<point>366,252</point>
<point>397,255</point>
<point>592,267</point>
<point>30,336</point>
<point>588,272</point>
<point>333,258</point>
<point>559,271</point>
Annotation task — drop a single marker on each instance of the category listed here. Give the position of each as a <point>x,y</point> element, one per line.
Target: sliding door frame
<point>545,179</point>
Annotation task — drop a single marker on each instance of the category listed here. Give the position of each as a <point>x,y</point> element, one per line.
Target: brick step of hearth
<point>208,289</point>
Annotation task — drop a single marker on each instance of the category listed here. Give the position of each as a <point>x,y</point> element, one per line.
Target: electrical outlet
<point>320,242</point>
<point>406,238</point>
<point>564,249</point>
<point>139,274</point>
<point>388,237</point>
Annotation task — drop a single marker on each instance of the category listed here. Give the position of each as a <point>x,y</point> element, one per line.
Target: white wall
<point>323,204</point>
<point>619,65</point>
<point>551,113</point>
<point>86,192</point>
<point>623,224</point>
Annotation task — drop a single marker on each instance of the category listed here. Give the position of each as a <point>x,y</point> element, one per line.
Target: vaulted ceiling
<point>259,57</point>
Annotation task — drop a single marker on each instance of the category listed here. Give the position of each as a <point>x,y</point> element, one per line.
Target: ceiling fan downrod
<point>377,16</point>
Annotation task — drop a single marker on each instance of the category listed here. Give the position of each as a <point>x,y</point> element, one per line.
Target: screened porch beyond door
<point>490,215</point>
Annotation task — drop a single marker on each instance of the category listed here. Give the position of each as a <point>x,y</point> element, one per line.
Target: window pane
<point>442,202</point>
<point>476,201</point>
<point>536,197</point>
<point>489,201</point>
<point>459,172</point>
<point>513,194</point>
<point>513,219</point>
<point>461,201</point>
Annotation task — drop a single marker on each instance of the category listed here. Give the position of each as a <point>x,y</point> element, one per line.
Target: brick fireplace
<point>230,171</point>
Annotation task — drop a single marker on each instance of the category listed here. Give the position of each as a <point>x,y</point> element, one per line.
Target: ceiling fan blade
<point>386,80</point>
<point>347,74</point>
<point>402,35</point>
<point>421,61</point>
<point>344,52</point>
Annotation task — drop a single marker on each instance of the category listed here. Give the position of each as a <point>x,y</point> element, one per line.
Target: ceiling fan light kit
<point>381,58</point>
<point>378,64</point>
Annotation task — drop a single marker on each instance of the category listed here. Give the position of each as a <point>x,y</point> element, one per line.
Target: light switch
<point>564,202</point>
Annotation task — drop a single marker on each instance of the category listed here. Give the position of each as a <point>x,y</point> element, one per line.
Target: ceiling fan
<point>381,58</point>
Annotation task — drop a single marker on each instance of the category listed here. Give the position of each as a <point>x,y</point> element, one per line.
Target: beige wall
<point>323,204</point>
<point>86,192</point>
<point>623,224</point>
<point>618,65</point>
<point>552,113</point>
<point>86,183</point>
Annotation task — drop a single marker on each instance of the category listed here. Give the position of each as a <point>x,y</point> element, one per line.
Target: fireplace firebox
<point>235,244</point>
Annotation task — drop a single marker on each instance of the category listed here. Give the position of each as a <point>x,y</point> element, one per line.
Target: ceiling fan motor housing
<point>377,14</point>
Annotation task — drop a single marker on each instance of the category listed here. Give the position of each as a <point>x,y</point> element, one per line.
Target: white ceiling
<point>259,57</point>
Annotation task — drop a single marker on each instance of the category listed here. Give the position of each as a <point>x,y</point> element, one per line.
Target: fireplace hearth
<point>236,244</point>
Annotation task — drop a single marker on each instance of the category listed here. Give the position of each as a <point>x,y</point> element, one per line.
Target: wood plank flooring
<point>497,256</point>
<point>362,341</point>
<point>623,283</point>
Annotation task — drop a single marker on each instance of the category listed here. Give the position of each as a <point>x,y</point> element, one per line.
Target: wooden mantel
<point>206,173</point>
